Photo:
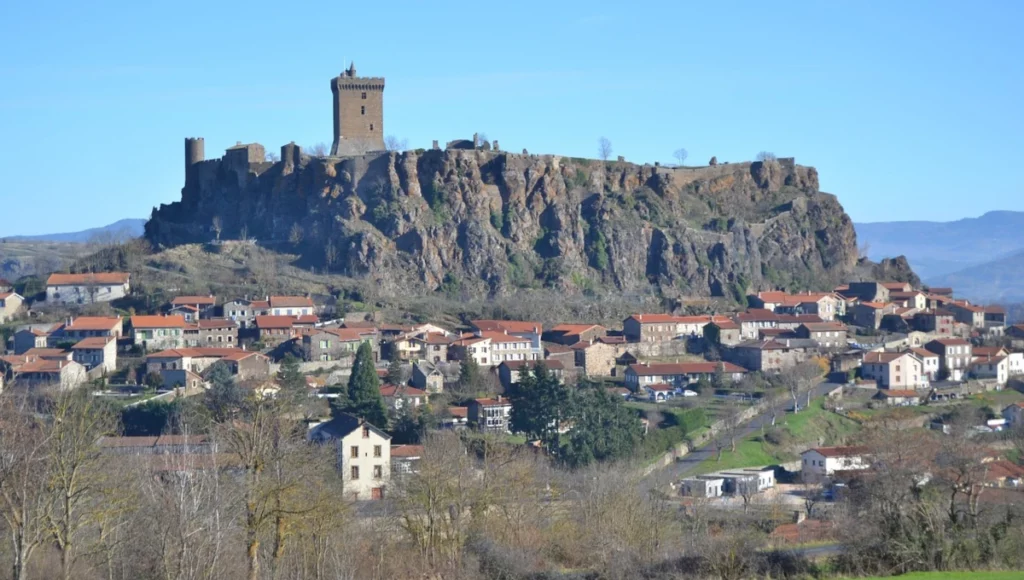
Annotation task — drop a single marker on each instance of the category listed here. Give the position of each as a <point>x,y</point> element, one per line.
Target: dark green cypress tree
<point>364,398</point>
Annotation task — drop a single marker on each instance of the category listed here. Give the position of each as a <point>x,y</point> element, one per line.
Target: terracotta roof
<point>307,319</point>
<point>951,341</point>
<point>181,440</point>
<point>995,309</point>
<point>1002,469</point>
<point>406,451</point>
<point>506,325</point>
<point>109,442</point>
<point>86,279</point>
<point>205,352</point>
<point>461,412</point>
<point>44,366</point>
<point>725,324</point>
<point>988,351</point>
<point>188,307</point>
<point>172,321</point>
<point>988,360</point>
<point>359,324</point>
<point>190,300</point>
<point>660,387</point>
<point>93,323</point>
<point>268,321</point>
<point>663,369</point>
<point>93,342</point>
<point>291,302</point>
<point>499,337</point>
<point>401,391</point>
<point>895,285</point>
<point>924,353</point>
<point>874,305</point>
<point>654,318</point>
<point>434,338</point>
<point>824,326</point>
<point>492,402</point>
<point>5,295</point>
<point>882,357</point>
<point>54,353</point>
<point>612,339</point>
<point>575,328</point>
<point>839,451</point>
<point>561,348</point>
<point>216,323</point>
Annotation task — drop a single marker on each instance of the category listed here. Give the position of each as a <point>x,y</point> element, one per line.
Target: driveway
<point>660,478</point>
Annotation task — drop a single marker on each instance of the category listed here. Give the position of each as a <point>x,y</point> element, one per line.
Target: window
<point>362,110</point>
<point>364,96</point>
<point>354,452</point>
<point>366,432</point>
<point>371,126</point>
<point>378,472</point>
<point>376,451</point>
<point>355,472</point>
<point>323,344</point>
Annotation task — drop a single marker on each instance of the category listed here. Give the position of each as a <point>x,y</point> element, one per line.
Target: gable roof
<point>269,321</point>
<point>950,342</point>
<point>387,391</point>
<point>883,357</point>
<point>512,326</point>
<point>493,402</point>
<point>406,451</point>
<point>215,323</point>
<point>87,279</point>
<point>343,424</point>
<point>824,326</point>
<point>93,323</point>
<point>93,342</point>
<point>460,412</point>
<point>169,321</point>
<point>663,369</point>
<point>899,394</point>
<point>291,302</point>
<point>575,328</point>
<point>232,354</point>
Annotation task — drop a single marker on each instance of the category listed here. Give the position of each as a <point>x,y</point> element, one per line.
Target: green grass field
<point>812,426</point>
<point>957,575</point>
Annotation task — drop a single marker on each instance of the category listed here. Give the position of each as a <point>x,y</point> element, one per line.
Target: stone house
<point>96,352</point>
<point>563,354</point>
<point>276,329</point>
<point>829,335</point>
<point>665,327</point>
<point>10,304</point>
<point>570,334</point>
<point>969,314</point>
<point>87,288</point>
<point>212,332</point>
<point>826,305</point>
<point>868,291</point>
<point>427,377</point>
<point>40,372</point>
<point>509,372</point>
<point>362,452</point>
<point>244,311</point>
<point>331,344</point>
<point>894,370</point>
<point>870,314</point>
<point>913,299</point>
<point>767,355</point>
<point>76,329</point>
<point>244,365</point>
<point>291,306</point>
<point>158,332</point>
<point>201,306</point>
<point>955,356</point>
<point>596,358</point>
<point>491,414</point>
<point>678,374</point>
<point>935,322</point>
<point>433,346</point>
<point>723,332</point>
<point>822,462</point>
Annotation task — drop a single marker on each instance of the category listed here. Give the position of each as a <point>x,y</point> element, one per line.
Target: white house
<point>706,486</point>
<point>87,288</point>
<point>291,306</point>
<point>657,393</point>
<point>476,348</point>
<point>821,462</point>
<point>363,455</point>
<point>997,368</point>
<point>10,304</point>
<point>96,351</point>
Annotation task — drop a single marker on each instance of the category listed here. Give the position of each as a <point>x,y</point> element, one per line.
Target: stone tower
<point>358,114</point>
<point>194,153</point>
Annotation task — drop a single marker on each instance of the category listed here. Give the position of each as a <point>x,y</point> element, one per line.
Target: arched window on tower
<point>362,110</point>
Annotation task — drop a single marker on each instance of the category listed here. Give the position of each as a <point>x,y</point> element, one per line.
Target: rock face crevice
<point>488,222</point>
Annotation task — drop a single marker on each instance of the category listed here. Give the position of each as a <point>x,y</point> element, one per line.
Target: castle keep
<point>358,114</point>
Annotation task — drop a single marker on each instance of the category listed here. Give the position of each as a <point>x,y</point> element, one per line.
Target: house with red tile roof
<point>398,396</point>
<point>895,370</point>
<point>212,332</point>
<point>96,352</point>
<point>77,328</point>
<point>569,334</point>
<point>955,356</point>
<point>826,305</point>
<point>276,329</point>
<point>870,314</point>
<point>510,348</point>
<point>45,372</point>
<point>665,327</point>
<point>174,364</point>
<point>87,288</point>
<point>491,414</point>
<point>969,314</point>
<point>158,332</point>
<point>900,397</point>
<point>291,306</point>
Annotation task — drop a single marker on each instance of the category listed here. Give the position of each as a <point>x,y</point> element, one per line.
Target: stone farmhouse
<point>87,288</point>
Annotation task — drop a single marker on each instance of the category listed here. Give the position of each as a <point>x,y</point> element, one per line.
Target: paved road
<point>660,478</point>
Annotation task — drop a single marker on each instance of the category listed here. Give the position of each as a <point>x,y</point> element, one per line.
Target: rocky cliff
<point>487,222</point>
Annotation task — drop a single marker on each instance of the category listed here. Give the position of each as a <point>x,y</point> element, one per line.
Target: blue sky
<point>905,108</point>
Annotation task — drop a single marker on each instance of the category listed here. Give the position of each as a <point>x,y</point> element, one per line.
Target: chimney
<point>69,320</point>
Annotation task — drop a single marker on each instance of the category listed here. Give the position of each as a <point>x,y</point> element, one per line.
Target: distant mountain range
<point>117,231</point>
<point>981,258</point>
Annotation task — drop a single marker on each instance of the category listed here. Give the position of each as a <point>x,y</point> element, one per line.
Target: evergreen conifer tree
<point>364,398</point>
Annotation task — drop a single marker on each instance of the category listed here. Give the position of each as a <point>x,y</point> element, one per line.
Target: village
<point>858,350</point>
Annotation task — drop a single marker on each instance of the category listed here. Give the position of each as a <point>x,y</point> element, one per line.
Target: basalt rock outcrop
<point>487,222</point>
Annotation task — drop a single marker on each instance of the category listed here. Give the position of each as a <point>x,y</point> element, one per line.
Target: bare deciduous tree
<point>273,157</point>
<point>217,225</point>
<point>295,234</point>
<point>604,149</point>
<point>392,143</point>
<point>23,478</point>
<point>318,150</point>
<point>766,157</point>
<point>681,155</point>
